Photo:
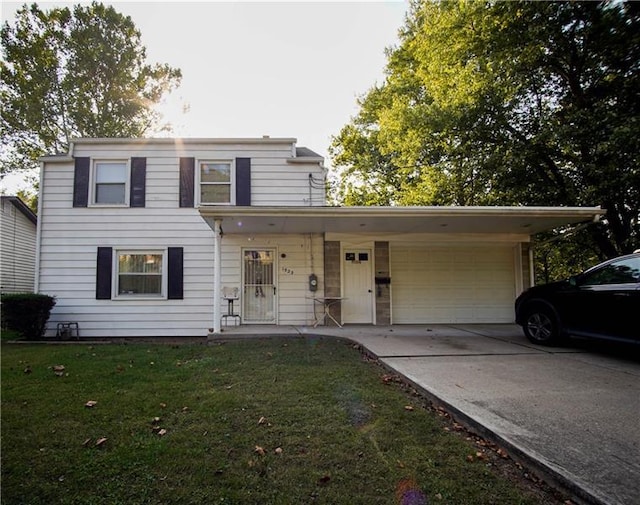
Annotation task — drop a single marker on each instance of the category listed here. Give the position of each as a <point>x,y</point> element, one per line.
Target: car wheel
<point>540,326</point>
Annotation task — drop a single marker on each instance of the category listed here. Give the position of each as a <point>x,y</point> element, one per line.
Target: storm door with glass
<point>259,289</point>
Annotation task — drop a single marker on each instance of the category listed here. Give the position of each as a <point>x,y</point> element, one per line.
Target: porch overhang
<point>487,220</point>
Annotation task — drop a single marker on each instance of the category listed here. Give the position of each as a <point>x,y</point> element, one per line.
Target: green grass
<point>345,434</point>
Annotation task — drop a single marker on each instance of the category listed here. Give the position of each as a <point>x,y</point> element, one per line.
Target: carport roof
<point>510,220</point>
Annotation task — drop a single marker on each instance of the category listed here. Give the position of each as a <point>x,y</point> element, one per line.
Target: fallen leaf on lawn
<point>60,374</point>
<point>162,432</point>
<point>185,409</point>
<point>438,496</point>
<point>408,407</point>
<point>259,450</point>
<point>470,458</point>
<point>90,403</point>
<point>262,420</point>
<point>86,442</point>
<point>155,420</point>
<point>278,450</point>
<point>27,370</point>
<point>502,453</point>
<point>480,455</point>
<point>324,480</point>
<point>163,405</point>
<point>100,442</point>
<point>58,368</point>
<point>120,368</point>
<point>156,429</point>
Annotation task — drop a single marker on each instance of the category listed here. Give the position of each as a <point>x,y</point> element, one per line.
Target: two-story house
<point>143,237</point>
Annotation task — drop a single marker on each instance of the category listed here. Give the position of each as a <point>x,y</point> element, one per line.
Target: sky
<point>287,69</point>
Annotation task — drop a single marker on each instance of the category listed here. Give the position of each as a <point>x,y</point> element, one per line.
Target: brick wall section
<point>332,276</point>
<point>526,273</point>
<point>382,291</point>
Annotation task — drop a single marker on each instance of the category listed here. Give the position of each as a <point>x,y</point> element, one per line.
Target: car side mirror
<point>573,280</point>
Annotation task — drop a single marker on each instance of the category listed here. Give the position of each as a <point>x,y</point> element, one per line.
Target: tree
<point>505,103</point>
<point>74,73</point>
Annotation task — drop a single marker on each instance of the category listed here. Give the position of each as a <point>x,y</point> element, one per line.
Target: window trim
<point>115,278</point>
<point>232,182</point>
<point>93,182</point>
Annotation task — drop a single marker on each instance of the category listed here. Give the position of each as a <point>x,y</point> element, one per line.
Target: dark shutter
<point>175,290</point>
<point>103,273</point>
<point>187,173</point>
<point>81,182</point>
<point>243,181</point>
<point>138,182</point>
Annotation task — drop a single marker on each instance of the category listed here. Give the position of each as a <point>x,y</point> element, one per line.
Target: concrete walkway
<point>572,413</point>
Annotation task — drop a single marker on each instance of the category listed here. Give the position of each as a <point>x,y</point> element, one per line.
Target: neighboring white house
<point>139,237</point>
<point>17,246</point>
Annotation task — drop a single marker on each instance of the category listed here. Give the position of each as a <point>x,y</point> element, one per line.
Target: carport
<point>424,264</point>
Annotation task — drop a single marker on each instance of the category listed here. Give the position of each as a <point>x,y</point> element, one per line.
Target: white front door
<point>358,286</point>
<point>259,289</point>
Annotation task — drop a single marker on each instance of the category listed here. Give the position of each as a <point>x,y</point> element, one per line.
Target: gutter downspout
<point>36,279</point>
<point>217,272</point>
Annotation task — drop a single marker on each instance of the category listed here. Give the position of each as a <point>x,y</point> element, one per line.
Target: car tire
<point>541,326</point>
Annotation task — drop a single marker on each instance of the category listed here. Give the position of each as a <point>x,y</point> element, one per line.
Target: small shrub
<point>26,313</point>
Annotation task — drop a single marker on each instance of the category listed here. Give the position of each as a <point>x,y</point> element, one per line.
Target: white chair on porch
<point>230,294</point>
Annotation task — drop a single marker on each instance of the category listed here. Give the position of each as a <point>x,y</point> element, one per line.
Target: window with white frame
<point>110,182</point>
<point>139,273</point>
<point>216,180</point>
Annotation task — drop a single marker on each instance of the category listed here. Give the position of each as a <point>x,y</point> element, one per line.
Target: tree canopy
<point>505,103</point>
<point>78,72</point>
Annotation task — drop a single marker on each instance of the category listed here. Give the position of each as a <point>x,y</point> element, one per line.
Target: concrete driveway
<point>573,413</point>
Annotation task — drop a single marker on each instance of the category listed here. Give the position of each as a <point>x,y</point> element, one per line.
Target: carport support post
<point>217,271</point>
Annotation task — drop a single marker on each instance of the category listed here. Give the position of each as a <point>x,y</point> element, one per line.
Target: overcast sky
<point>290,69</point>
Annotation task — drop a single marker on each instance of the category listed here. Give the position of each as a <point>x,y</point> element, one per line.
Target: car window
<point>626,271</point>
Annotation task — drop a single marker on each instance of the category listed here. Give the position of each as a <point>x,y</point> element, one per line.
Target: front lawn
<point>291,421</point>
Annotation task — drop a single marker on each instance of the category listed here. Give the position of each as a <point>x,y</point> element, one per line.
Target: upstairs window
<point>216,179</point>
<point>139,273</point>
<point>110,182</point>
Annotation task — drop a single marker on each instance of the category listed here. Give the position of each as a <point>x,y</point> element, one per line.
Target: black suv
<point>602,302</point>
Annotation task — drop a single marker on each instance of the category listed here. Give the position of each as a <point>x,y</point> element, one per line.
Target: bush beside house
<point>26,313</point>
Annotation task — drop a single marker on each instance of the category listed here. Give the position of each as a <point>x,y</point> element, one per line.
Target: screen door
<point>259,289</point>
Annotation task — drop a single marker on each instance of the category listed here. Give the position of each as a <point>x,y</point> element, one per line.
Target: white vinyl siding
<point>17,251</point>
<point>303,255</point>
<point>472,283</point>
<point>274,182</point>
<point>70,238</point>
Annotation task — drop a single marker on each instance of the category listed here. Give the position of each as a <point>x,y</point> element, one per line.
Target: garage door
<point>473,284</point>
